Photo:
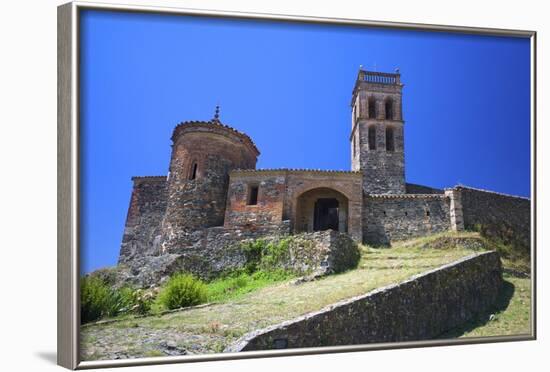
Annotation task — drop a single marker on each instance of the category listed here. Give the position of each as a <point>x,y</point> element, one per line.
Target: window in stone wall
<point>354,146</point>
<point>372,108</point>
<point>390,145</point>
<point>252,195</point>
<point>428,213</point>
<point>193,171</point>
<point>372,138</point>
<point>389,109</point>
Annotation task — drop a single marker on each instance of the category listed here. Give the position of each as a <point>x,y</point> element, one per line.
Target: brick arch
<point>328,185</point>
<point>348,184</point>
<point>305,207</point>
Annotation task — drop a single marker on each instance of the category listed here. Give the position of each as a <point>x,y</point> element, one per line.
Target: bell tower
<point>377,146</point>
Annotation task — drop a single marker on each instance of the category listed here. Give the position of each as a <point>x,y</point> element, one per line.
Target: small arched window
<point>389,109</point>
<point>193,171</point>
<point>372,108</point>
<point>372,138</point>
<point>390,143</point>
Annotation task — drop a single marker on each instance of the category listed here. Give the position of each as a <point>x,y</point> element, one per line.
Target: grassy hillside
<point>209,329</point>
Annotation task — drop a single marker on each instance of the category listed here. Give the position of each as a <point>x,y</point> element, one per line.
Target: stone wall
<point>501,216</point>
<point>142,230</point>
<point>321,253</point>
<point>218,250</point>
<point>421,308</point>
<point>383,171</point>
<point>396,217</point>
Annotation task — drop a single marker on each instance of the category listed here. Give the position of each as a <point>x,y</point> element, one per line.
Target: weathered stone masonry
<point>503,216</point>
<point>147,207</point>
<point>214,197</point>
<point>396,217</point>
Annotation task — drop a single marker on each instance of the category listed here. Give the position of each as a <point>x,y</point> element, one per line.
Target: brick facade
<point>286,194</point>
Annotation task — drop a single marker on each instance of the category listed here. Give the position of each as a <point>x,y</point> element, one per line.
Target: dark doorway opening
<point>325,215</point>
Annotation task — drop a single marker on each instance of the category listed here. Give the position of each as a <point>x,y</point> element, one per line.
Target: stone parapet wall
<point>388,218</point>
<point>420,308</point>
<point>501,216</point>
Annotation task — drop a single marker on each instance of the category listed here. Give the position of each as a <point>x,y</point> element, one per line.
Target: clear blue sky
<point>465,102</point>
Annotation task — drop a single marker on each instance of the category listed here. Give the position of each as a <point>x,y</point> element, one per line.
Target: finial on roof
<point>397,70</point>
<point>217,114</point>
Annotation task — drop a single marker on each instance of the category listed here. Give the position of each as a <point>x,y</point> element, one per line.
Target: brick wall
<point>282,196</point>
<point>269,207</point>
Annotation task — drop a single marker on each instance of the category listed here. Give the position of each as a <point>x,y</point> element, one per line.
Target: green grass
<point>237,285</point>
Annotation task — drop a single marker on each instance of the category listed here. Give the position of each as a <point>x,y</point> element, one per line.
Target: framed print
<point>237,185</point>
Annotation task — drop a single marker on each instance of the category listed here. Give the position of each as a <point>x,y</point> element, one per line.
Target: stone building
<point>214,195</point>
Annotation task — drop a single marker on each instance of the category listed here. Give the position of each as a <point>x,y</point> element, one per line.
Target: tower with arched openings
<point>377,145</point>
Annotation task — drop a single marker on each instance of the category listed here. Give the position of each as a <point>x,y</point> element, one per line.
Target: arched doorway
<point>321,209</point>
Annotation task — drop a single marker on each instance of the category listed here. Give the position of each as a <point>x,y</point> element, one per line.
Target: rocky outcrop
<point>218,251</point>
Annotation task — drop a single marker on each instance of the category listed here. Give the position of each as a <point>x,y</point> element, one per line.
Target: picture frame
<point>69,172</point>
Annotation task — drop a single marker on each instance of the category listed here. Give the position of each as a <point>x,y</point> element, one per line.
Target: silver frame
<point>68,258</point>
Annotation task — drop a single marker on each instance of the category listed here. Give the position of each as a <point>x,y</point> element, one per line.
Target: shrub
<point>274,253</point>
<point>130,300</point>
<point>263,255</point>
<point>182,290</point>
<point>96,299</point>
<point>253,251</point>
